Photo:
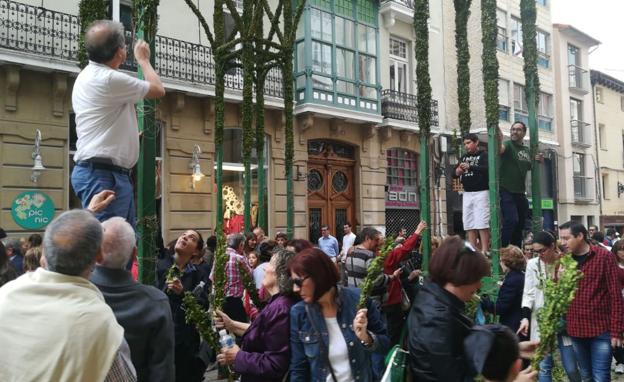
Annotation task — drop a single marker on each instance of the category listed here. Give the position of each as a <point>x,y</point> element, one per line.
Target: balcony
<point>39,31</point>
<point>578,79</point>
<point>392,10</point>
<point>581,133</point>
<point>403,107</point>
<point>583,187</point>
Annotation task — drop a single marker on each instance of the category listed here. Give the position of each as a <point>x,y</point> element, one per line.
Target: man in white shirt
<point>103,99</point>
<point>347,241</point>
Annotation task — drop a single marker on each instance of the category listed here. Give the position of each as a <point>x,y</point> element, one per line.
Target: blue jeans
<point>568,360</point>
<point>88,181</point>
<point>515,210</point>
<point>594,357</point>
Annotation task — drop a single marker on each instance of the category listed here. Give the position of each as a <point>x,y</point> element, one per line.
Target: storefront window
<point>234,180</point>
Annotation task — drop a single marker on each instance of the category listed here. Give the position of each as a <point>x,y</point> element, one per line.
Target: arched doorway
<point>331,189</point>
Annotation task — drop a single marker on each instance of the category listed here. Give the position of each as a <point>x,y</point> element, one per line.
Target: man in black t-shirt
<point>472,171</point>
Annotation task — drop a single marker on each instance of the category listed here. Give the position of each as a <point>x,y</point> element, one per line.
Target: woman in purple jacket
<point>264,354</point>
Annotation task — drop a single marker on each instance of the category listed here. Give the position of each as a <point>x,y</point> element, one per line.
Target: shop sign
<point>405,197</point>
<point>32,210</point>
<point>547,204</point>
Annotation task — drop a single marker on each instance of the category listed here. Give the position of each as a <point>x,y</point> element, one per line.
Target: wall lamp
<point>196,175</point>
<point>299,174</point>
<point>37,167</point>
<point>620,189</point>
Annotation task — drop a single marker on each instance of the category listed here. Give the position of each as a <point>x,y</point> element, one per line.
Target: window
<point>599,96</point>
<point>342,51</point>
<point>402,167</point>
<point>516,36</point>
<point>543,48</point>
<point>542,2</point>
<point>578,164</point>
<point>605,186</point>
<point>574,58</point>
<point>602,136</point>
<point>234,170</point>
<point>520,105</point>
<point>576,109</point>
<point>501,38</point>
<point>545,112</point>
<point>503,100</point>
<point>398,65</point>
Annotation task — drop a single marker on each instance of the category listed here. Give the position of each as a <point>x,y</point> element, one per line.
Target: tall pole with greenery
<point>88,12</point>
<point>145,15</point>
<point>528,15</point>
<point>423,79</point>
<point>490,86</point>
<point>220,43</point>
<point>462,13</point>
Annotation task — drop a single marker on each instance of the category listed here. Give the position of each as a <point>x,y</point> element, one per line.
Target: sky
<point>604,21</point>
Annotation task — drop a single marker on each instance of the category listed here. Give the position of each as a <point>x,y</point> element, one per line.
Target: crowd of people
<point>71,308</point>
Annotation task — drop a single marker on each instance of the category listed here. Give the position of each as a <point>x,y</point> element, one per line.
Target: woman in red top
<point>395,316</point>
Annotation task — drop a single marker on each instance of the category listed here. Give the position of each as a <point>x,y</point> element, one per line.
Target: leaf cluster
<point>195,315</point>
<point>219,274</point>
<point>423,79</point>
<point>250,285</point>
<point>528,15</point>
<point>462,13</point>
<point>490,62</point>
<point>558,294</point>
<point>88,12</point>
<point>375,269</point>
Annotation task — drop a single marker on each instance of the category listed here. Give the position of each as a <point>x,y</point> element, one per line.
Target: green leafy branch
<point>375,269</point>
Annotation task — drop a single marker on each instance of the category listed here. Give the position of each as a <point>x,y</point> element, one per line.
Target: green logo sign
<point>32,210</point>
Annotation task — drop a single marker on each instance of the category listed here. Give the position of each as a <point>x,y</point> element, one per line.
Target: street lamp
<point>37,167</point>
<point>196,175</point>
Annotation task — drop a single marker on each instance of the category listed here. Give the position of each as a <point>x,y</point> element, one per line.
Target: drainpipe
<point>596,144</point>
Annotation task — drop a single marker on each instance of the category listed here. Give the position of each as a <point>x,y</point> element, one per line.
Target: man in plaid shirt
<point>233,304</point>
<point>595,319</point>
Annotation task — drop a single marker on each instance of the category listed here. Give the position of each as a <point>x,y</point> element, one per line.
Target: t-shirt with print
<point>515,163</point>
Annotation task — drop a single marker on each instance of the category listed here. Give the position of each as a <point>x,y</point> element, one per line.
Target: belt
<point>103,164</point>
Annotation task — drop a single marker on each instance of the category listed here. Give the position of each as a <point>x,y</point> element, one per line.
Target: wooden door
<point>330,196</point>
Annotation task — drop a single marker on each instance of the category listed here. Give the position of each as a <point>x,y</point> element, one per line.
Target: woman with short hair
<point>330,339</point>
<point>437,322</point>
<point>265,347</point>
<point>508,306</point>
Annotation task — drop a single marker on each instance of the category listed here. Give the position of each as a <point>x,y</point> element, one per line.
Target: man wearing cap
<point>103,99</point>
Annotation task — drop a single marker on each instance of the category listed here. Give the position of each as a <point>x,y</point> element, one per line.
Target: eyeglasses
<point>299,282</point>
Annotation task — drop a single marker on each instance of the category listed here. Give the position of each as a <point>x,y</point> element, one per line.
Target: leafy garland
<point>462,13</point>
<point>88,12</point>
<point>250,285</point>
<point>528,15</point>
<point>421,15</point>
<point>219,276</point>
<point>490,62</point>
<point>195,315</point>
<point>145,17</point>
<point>375,269</point>
<point>172,273</point>
<point>558,294</point>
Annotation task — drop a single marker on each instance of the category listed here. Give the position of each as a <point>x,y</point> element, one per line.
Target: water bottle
<point>225,340</point>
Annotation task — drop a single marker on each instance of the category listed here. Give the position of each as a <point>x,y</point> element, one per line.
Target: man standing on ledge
<point>106,124</point>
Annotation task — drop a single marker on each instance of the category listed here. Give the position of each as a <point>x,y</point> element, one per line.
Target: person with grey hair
<point>142,310</point>
<point>14,253</point>
<point>59,310</point>
<point>264,353</point>
<point>103,99</point>
<point>234,288</point>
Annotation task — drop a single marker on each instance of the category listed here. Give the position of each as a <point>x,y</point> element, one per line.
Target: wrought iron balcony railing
<point>581,134</point>
<point>36,30</point>
<point>403,106</point>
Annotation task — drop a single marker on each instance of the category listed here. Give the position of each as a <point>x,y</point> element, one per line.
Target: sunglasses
<point>299,282</point>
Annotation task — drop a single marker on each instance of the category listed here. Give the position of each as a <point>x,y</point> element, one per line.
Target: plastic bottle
<point>225,340</point>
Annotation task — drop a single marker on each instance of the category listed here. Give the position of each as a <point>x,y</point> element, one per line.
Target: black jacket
<point>437,328</point>
<point>476,178</point>
<point>143,311</point>
<point>509,302</point>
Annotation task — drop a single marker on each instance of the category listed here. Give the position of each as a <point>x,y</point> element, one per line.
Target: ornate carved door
<point>331,190</point>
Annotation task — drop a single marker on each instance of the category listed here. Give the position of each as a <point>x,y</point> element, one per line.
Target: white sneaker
<point>619,369</point>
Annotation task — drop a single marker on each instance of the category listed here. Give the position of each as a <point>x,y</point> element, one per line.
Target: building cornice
<point>600,78</point>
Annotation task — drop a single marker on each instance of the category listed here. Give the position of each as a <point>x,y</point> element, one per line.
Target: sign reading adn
<point>32,210</point>
<point>402,197</point>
